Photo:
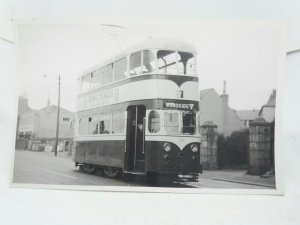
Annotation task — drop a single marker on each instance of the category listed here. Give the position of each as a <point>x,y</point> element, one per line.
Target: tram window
<point>154,122</point>
<point>186,64</point>
<point>171,122</point>
<point>107,75</point>
<point>86,82</point>
<point>149,64</point>
<point>135,64</point>
<point>96,78</point>
<point>118,123</point>
<point>83,126</point>
<point>104,124</point>
<point>93,126</point>
<point>120,69</point>
<point>188,122</point>
<point>167,61</point>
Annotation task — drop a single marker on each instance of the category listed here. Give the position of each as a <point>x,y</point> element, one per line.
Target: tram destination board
<point>180,105</point>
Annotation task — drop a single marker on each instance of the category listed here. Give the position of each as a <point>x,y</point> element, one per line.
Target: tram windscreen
<point>171,122</point>
<point>188,123</point>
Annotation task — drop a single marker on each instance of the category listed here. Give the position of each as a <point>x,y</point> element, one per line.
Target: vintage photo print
<point>153,106</point>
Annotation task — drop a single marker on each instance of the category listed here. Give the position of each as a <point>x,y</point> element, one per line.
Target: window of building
<point>154,122</point>
<point>135,64</point>
<point>66,119</point>
<point>83,126</point>
<point>104,124</point>
<point>167,61</point>
<point>118,123</point>
<point>188,123</point>
<point>120,69</point>
<point>149,63</point>
<point>171,122</point>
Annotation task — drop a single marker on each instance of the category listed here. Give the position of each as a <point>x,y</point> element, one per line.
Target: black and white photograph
<point>148,106</point>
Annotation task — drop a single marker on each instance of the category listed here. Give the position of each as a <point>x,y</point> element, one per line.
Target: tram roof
<point>150,43</point>
<point>162,43</point>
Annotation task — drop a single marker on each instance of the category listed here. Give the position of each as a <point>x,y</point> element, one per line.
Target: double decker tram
<point>138,113</point>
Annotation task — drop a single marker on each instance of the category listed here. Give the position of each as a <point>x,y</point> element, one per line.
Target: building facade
<point>215,108</point>
<point>39,128</point>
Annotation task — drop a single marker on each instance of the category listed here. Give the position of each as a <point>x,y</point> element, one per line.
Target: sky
<point>247,55</point>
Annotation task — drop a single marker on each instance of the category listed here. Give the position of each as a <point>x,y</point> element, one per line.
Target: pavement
<point>45,168</point>
<point>234,179</point>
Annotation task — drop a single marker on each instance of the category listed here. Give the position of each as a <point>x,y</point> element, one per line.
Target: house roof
<point>272,99</point>
<point>247,114</point>
<point>271,102</point>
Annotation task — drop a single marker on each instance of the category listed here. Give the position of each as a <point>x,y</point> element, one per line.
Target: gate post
<point>259,149</point>
<point>208,147</point>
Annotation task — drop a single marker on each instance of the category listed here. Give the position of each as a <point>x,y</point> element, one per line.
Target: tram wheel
<point>111,172</point>
<point>89,168</point>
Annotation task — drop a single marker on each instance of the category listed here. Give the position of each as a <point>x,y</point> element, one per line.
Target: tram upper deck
<point>154,69</point>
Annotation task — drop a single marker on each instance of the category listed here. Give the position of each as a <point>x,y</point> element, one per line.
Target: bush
<point>233,151</point>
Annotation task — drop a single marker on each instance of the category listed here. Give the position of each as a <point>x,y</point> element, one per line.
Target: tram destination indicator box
<point>189,106</point>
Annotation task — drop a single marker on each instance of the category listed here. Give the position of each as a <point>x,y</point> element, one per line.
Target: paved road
<point>44,168</point>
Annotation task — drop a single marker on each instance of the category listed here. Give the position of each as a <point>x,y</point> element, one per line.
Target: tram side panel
<point>101,153</point>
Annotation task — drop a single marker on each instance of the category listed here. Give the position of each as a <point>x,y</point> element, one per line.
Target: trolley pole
<point>57,122</point>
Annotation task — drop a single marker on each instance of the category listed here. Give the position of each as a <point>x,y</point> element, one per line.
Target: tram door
<point>135,139</point>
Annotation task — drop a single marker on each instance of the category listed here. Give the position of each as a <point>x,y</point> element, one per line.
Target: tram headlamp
<point>167,147</point>
<point>194,147</point>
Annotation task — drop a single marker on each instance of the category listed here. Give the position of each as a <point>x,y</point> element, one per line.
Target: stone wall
<point>260,150</point>
<point>208,148</point>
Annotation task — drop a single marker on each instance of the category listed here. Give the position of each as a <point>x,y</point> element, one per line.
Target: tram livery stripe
<point>178,79</point>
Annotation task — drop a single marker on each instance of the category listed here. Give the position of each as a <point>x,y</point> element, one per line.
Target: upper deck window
<point>120,69</point>
<point>86,82</point>
<point>167,61</point>
<point>135,64</point>
<point>173,62</point>
<point>149,64</point>
<point>96,79</point>
<point>142,62</point>
<point>107,75</point>
<point>186,63</point>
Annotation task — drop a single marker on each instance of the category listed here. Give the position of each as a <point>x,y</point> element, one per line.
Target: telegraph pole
<point>57,122</point>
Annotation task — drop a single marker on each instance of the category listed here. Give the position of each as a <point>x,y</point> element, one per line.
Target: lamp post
<point>57,122</point>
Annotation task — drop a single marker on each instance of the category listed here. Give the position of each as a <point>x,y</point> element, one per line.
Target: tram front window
<point>188,123</point>
<point>173,124</point>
